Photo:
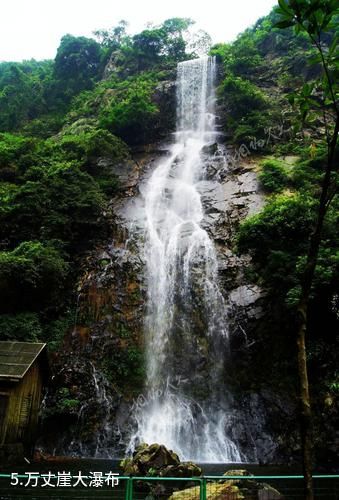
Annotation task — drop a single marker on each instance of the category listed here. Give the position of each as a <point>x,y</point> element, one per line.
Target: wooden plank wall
<point>21,420</point>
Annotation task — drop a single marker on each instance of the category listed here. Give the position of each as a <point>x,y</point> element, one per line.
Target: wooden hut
<point>23,372</point>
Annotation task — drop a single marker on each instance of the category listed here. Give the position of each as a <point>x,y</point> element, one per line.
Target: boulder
<point>185,469</point>
<point>214,491</point>
<point>249,488</point>
<point>156,460</point>
<point>150,460</point>
<point>235,489</point>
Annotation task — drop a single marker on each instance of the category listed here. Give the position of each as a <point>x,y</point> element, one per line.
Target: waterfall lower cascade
<point>186,405</point>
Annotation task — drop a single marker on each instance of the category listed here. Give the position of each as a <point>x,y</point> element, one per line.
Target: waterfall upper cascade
<point>186,406</point>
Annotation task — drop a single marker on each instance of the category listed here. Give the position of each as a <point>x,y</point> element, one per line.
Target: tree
<point>167,42</point>
<point>77,64</point>
<point>22,92</point>
<point>115,37</point>
<point>149,45</point>
<point>176,29</point>
<point>132,113</point>
<point>315,17</point>
<point>199,43</point>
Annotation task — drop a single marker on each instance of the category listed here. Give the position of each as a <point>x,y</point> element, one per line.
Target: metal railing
<point>220,487</point>
<point>175,488</point>
<point>164,486</point>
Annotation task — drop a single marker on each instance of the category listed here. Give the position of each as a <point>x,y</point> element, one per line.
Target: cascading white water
<point>185,406</point>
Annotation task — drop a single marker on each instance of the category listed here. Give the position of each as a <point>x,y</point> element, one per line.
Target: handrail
<point>201,482</point>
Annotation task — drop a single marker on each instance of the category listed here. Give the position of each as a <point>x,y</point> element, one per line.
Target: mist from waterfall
<point>185,406</point>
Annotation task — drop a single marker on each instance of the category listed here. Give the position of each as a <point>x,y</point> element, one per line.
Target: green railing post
<point>126,489</point>
<point>203,489</point>
<point>129,489</point>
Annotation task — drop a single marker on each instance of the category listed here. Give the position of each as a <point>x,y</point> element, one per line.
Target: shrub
<point>276,237</point>
<point>23,327</point>
<point>241,96</point>
<point>273,176</point>
<point>12,147</point>
<point>131,114</point>
<point>92,144</point>
<point>31,275</point>
<point>54,331</point>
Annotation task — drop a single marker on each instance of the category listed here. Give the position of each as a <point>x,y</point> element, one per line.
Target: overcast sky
<point>33,28</point>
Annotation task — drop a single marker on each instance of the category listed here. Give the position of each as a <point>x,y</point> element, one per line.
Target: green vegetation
<point>31,276</point>
<point>273,176</point>
<point>124,367</point>
<point>261,66</point>
<point>65,127</point>
<point>24,89</point>
<point>77,66</point>
<point>21,326</point>
<point>247,108</point>
<point>278,240</point>
<point>156,47</point>
<point>131,114</point>
<point>294,241</point>
<point>65,404</point>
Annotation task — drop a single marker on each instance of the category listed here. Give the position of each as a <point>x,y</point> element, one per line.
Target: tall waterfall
<point>185,405</point>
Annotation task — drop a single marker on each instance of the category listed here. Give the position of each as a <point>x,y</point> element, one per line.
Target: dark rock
<point>185,469</point>
<point>157,460</point>
<point>165,98</point>
<point>210,149</point>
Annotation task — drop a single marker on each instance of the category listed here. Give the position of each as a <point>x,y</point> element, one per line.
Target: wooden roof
<point>16,358</point>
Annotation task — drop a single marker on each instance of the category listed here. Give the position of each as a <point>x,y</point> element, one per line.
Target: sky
<point>33,28</point>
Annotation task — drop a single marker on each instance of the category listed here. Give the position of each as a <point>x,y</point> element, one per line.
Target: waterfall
<point>186,404</point>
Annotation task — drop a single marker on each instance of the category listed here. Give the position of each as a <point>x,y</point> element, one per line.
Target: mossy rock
<point>185,469</point>
<point>237,472</point>
<point>235,489</point>
<point>250,488</point>
<point>214,491</point>
<point>153,457</point>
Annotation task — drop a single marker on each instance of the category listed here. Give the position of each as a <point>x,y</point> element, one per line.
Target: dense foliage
<point>64,126</point>
<point>262,65</point>
<point>301,163</point>
<point>266,71</point>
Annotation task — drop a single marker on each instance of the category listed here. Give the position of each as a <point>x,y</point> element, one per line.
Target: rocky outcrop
<point>164,97</point>
<point>105,347</point>
<point>157,460</point>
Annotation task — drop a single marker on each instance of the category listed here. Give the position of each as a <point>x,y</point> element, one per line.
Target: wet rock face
<point>165,98</point>
<point>100,372</point>
<point>230,193</point>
